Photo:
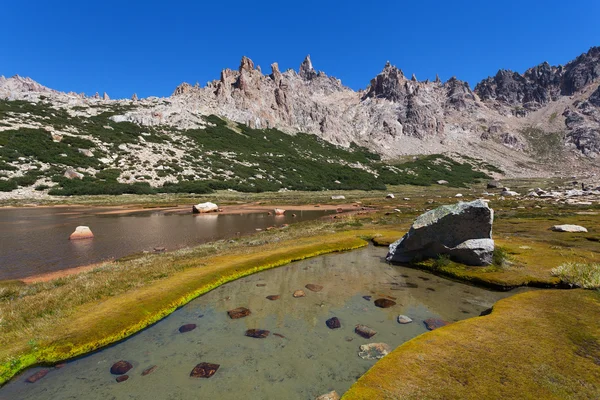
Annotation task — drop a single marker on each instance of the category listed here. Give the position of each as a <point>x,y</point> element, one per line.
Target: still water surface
<point>310,360</point>
<point>35,240</point>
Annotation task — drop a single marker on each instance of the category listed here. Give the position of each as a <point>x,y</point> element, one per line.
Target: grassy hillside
<point>39,141</point>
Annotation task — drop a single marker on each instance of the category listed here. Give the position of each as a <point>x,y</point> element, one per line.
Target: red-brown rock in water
<point>239,312</point>
<point>204,370</point>
<point>257,333</point>
<point>187,327</point>
<point>81,232</point>
<point>384,303</point>
<point>434,323</point>
<point>120,367</point>
<point>333,323</point>
<point>273,297</point>
<point>149,370</point>
<point>299,293</point>
<point>37,376</point>
<point>279,211</point>
<point>313,287</point>
<point>122,378</point>
<point>365,331</point>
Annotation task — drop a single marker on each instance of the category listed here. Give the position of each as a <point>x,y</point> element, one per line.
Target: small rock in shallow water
<point>279,335</point>
<point>333,323</point>
<point>364,331</point>
<point>403,319</point>
<point>299,293</point>
<point>187,328</point>
<point>149,370</point>
<point>37,376</point>
<point>261,284</point>
<point>61,365</point>
<point>384,303</point>
<point>374,351</point>
<point>367,298</point>
<point>329,396</point>
<point>434,323</point>
<point>257,333</point>
<point>122,378</point>
<point>273,297</point>
<point>239,312</point>
<point>120,367</point>
<point>313,287</point>
<point>204,370</point>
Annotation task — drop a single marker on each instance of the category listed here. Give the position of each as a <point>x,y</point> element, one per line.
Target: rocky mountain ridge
<point>520,122</point>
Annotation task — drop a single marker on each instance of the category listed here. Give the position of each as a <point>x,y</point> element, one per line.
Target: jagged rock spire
<point>437,78</point>
<point>414,78</point>
<point>181,89</point>
<point>134,97</point>
<point>105,96</point>
<point>246,64</point>
<point>306,69</point>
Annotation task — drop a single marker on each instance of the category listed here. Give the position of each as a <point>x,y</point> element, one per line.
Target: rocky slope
<point>545,121</point>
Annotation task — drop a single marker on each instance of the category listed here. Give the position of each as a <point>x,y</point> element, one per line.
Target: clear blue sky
<point>149,47</point>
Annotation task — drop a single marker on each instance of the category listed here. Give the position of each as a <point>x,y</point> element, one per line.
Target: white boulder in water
<point>568,228</point>
<point>81,232</point>
<point>279,211</point>
<point>204,208</point>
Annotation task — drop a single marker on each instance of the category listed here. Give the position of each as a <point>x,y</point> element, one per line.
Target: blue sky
<point>149,47</point>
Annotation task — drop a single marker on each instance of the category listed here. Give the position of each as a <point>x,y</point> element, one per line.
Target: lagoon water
<point>35,240</point>
<point>309,360</point>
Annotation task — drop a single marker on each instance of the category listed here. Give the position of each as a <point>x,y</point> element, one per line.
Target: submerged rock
<point>273,297</point>
<point>403,319</point>
<point>299,293</point>
<point>120,367</point>
<point>187,328</point>
<point>384,303</point>
<point>463,231</point>
<point>279,211</point>
<point>365,331</point>
<point>149,370</point>
<point>257,333</point>
<point>239,312</point>
<point>37,376</point>
<point>205,208</point>
<point>367,298</point>
<point>313,287</point>
<point>374,351</point>
<point>333,323</point>
<point>568,228</point>
<point>81,232</point>
<point>434,323</point>
<point>122,378</point>
<point>329,396</point>
<point>204,370</point>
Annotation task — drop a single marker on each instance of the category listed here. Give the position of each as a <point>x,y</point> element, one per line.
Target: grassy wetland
<point>549,334</point>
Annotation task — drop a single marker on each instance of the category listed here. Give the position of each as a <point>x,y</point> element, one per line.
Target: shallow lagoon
<point>309,360</point>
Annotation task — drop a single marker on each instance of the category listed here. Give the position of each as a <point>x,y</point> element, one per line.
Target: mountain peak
<point>306,69</point>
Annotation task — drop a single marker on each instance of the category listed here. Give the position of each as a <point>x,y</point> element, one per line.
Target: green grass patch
<point>581,275</point>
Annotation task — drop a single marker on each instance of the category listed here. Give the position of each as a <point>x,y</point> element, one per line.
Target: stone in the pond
<point>61,365</point>
<point>333,323</point>
<point>329,396</point>
<point>434,323</point>
<point>239,312</point>
<point>374,351</point>
<point>568,228</point>
<point>279,335</point>
<point>120,367</point>
<point>122,378</point>
<point>204,370</point>
<point>37,376</point>
<point>462,231</point>
<point>261,284</point>
<point>81,232</point>
<point>273,297</point>
<point>205,208</point>
<point>149,370</point>
<point>364,331</point>
<point>367,298</point>
<point>384,303</point>
<point>187,328</point>
<point>299,293</point>
<point>403,319</point>
<point>314,287</point>
<point>257,333</point>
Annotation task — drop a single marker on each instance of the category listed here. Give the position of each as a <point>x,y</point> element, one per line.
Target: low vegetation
<point>581,275</point>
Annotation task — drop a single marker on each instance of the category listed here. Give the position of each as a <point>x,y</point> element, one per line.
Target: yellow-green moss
<point>535,345</point>
<point>94,325</point>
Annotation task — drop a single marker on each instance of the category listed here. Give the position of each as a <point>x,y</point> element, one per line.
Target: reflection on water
<point>35,240</point>
<point>309,360</point>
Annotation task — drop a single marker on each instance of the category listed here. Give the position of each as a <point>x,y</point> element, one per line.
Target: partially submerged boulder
<point>81,232</point>
<point>205,208</point>
<point>279,211</point>
<point>374,351</point>
<point>568,228</point>
<point>462,231</point>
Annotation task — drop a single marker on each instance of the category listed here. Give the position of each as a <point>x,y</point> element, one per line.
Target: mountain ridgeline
<point>301,130</point>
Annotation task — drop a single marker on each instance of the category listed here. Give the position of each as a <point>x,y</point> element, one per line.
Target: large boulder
<point>462,231</point>
<point>81,232</point>
<point>205,208</point>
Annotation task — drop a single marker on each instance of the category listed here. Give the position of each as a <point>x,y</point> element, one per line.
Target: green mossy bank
<point>537,345</point>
